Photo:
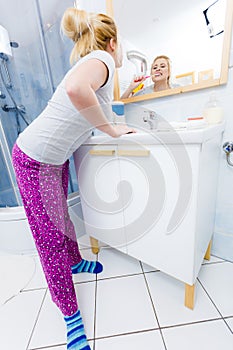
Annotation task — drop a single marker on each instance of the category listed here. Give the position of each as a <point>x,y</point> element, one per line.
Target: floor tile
<point>50,328</point>
<point>148,268</point>
<point>61,347</point>
<point>168,297</point>
<point>136,341</point>
<point>117,263</point>
<point>38,280</point>
<point>84,242</point>
<point>213,335</point>
<point>229,321</point>
<point>213,259</point>
<point>16,272</point>
<point>64,347</point>
<point>21,313</point>
<point>218,281</point>
<point>123,305</point>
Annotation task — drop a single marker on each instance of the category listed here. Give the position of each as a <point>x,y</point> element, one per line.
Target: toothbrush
<point>146,77</point>
<point>141,85</point>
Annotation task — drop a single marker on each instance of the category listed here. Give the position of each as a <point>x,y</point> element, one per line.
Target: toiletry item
<point>118,109</point>
<point>140,86</point>
<point>213,112</point>
<point>196,122</point>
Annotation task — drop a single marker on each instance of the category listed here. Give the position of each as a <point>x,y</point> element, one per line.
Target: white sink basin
<point>174,136</point>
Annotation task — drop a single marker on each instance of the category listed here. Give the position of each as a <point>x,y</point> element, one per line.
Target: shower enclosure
<point>40,58</point>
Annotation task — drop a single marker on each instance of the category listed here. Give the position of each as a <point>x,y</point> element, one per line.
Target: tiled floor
<point>129,306</point>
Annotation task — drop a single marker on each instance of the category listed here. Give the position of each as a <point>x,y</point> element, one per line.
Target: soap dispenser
<point>213,112</point>
<point>118,112</point>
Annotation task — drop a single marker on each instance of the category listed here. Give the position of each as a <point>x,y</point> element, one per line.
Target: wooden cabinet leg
<point>207,253</point>
<point>189,296</point>
<point>94,245</point>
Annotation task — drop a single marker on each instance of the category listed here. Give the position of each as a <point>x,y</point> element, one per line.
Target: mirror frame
<point>197,86</point>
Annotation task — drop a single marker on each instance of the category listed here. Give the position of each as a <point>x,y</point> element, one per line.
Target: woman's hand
<point>122,129</point>
<point>137,80</point>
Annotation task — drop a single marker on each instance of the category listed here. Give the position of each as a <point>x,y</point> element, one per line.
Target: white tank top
<point>60,129</point>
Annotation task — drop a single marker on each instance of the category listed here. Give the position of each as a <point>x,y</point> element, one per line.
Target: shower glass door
<point>28,79</point>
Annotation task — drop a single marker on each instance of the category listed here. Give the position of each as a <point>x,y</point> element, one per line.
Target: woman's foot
<point>76,337</point>
<point>87,266</point>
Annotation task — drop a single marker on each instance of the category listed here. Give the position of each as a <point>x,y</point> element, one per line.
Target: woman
<point>42,151</point>
<point>160,76</point>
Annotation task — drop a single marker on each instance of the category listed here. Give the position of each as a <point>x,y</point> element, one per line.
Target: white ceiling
<point>138,20</point>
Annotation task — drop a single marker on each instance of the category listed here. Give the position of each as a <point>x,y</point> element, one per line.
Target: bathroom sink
<point>175,135</point>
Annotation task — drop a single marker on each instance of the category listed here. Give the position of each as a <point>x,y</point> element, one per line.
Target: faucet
<point>228,149</point>
<point>151,118</point>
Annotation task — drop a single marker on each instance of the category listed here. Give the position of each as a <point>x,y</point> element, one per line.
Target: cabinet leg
<point>94,245</point>
<point>207,253</point>
<point>189,296</point>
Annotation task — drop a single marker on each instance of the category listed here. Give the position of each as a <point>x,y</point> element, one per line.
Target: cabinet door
<point>145,194</point>
<point>101,194</point>
<point>154,235</point>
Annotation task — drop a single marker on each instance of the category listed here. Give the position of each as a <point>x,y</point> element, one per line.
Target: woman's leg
<point>71,239</point>
<point>42,193</point>
<point>44,203</point>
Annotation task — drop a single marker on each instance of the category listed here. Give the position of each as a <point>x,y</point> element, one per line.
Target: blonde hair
<point>167,59</point>
<point>89,31</point>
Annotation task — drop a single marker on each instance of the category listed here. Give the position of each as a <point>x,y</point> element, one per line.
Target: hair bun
<point>74,23</point>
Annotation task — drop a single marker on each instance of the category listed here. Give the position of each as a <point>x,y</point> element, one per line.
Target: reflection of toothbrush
<point>140,86</point>
<point>136,80</point>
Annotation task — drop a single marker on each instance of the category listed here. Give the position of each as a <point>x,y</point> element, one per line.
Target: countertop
<point>182,135</point>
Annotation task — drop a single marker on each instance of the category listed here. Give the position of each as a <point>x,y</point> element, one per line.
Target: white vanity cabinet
<point>153,196</point>
<point>98,175</point>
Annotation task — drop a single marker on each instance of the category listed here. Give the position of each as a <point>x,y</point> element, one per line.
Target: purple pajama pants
<point>44,189</point>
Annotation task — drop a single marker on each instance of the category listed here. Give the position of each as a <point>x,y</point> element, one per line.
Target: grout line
<point>158,329</point>
<point>127,333</point>
<point>33,289</point>
<point>213,262</point>
<point>49,347</point>
<point>228,326</point>
<point>83,282</point>
<point>153,306</point>
<point>209,297</point>
<point>120,276</point>
<point>222,317</point>
<point>223,260</point>
<point>225,320</point>
<point>37,319</point>
<point>192,323</point>
<point>141,265</point>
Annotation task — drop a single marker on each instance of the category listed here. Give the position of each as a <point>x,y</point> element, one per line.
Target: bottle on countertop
<point>118,109</point>
<point>213,112</point>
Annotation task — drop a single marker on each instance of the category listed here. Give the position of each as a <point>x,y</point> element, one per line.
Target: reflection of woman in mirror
<point>160,76</point>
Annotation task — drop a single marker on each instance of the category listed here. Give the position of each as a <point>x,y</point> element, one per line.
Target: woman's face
<point>160,70</point>
<point>115,49</point>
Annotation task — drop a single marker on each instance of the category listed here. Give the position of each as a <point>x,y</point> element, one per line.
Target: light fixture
<point>214,17</point>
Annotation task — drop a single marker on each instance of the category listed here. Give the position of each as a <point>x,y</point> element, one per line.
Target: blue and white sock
<point>76,337</point>
<point>87,266</point>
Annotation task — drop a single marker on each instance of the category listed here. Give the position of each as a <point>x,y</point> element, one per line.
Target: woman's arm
<point>81,86</point>
<point>129,92</point>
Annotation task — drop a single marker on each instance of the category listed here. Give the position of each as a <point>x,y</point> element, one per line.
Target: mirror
<point>195,35</point>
